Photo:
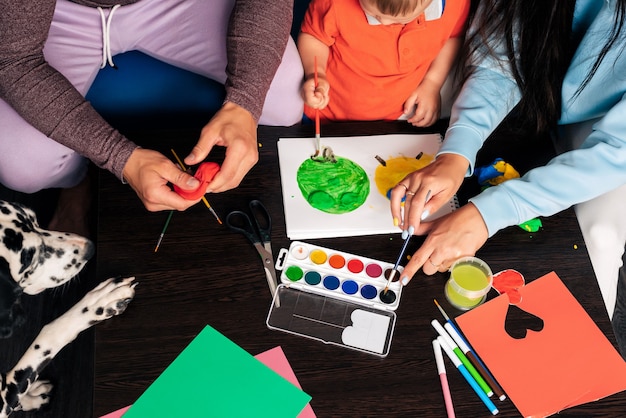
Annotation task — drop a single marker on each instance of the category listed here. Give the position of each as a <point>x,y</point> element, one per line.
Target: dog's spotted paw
<point>108,299</point>
<point>37,396</point>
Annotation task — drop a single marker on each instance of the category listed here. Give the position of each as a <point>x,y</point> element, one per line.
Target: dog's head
<point>39,259</point>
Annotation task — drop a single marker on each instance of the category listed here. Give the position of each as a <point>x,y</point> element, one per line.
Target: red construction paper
<point>568,363</point>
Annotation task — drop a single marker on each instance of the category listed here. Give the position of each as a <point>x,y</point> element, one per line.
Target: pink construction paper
<point>117,414</point>
<point>276,360</point>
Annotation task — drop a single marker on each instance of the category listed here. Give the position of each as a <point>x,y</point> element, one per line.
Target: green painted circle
<point>336,188</point>
<point>294,273</point>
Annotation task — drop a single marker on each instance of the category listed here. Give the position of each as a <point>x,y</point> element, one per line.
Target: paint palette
<point>335,297</point>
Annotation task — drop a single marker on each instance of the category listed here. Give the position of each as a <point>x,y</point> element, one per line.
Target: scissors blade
<point>268,265</point>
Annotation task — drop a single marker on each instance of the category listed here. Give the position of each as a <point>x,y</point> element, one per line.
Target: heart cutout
<point>517,322</point>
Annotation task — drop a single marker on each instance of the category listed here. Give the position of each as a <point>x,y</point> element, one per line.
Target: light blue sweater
<point>598,166</point>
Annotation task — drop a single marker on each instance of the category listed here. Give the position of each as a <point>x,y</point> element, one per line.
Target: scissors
<point>259,235</point>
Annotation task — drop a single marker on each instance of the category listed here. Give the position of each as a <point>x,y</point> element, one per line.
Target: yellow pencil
<point>206,202</point>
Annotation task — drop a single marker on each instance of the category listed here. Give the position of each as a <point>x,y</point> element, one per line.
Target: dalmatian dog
<point>33,259</point>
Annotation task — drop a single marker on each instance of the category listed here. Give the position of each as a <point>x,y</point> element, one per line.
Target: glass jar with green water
<point>470,281</point>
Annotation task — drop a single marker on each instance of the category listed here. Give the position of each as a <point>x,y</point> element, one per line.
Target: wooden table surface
<point>206,274</point>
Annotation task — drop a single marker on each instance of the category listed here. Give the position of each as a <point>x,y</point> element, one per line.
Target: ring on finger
<point>433,264</point>
<point>409,193</point>
<point>403,185</point>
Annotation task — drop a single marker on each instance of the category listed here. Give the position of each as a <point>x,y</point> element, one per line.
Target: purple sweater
<point>257,36</point>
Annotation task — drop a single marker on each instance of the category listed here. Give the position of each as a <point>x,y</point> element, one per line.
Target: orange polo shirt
<point>372,69</point>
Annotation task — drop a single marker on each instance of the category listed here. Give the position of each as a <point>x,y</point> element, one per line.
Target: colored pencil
<point>455,348</point>
<point>441,370</point>
<point>469,353</point>
<point>468,377</point>
<point>206,202</point>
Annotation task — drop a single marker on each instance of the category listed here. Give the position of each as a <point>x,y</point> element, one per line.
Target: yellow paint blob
<point>397,168</point>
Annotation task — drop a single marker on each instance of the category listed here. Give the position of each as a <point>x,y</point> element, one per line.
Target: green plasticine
<point>333,187</point>
<point>531,226</point>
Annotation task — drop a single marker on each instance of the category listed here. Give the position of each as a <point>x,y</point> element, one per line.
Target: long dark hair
<point>539,34</point>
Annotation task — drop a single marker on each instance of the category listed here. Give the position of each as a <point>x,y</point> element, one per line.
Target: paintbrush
<point>318,136</point>
<point>393,272</point>
<point>206,202</point>
<point>167,223</point>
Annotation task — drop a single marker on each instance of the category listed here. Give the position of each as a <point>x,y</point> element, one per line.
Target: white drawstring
<point>106,33</point>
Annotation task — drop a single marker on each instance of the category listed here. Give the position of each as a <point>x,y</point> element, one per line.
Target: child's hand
<point>316,98</point>
<point>424,105</point>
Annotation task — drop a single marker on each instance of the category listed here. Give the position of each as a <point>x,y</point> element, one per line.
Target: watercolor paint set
<point>335,297</point>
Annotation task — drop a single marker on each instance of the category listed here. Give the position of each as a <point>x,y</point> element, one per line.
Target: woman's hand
<point>427,189</point>
<point>458,234</point>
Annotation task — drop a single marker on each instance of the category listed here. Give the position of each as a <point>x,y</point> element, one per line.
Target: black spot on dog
<point>13,240</point>
<point>23,379</point>
<point>5,209</point>
<point>46,353</point>
<point>12,395</point>
<point>99,310</point>
<point>85,309</point>
<point>24,221</point>
<point>26,258</point>
<point>36,347</point>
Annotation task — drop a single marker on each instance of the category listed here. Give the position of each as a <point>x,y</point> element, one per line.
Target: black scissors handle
<point>241,222</point>
<point>262,220</point>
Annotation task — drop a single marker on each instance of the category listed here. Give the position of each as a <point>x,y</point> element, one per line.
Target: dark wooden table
<point>205,274</point>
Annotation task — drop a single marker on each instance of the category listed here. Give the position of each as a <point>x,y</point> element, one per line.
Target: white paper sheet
<point>374,216</point>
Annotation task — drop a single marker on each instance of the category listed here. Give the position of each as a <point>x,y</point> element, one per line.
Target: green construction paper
<point>214,377</point>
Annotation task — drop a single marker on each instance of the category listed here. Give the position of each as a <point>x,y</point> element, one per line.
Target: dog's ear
<point>11,312</point>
